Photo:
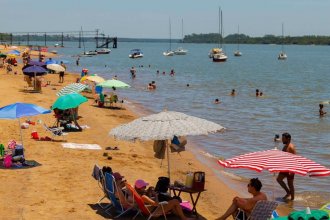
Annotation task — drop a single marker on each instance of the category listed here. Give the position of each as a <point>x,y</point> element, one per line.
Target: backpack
<point>7,161</point>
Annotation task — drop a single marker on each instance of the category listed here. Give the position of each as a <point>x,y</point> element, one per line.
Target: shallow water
<point>292,91</point>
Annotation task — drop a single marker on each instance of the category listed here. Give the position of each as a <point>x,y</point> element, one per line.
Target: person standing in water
<point>290,148</point>
<point>322,113</point>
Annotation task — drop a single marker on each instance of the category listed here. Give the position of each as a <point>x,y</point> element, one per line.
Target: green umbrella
<point>3,55</point>
<point>314,214</point>
<point>68,101</point>
<point>113,83</point>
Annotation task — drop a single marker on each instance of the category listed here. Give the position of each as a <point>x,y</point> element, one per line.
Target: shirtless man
<point>288,147</point>
<point>246,204</point>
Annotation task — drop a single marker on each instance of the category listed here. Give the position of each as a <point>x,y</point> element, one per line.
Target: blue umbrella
<point>19,109</point>
<point>34,70</point>
<point>50,62</point>
<point>16,52</point>
<point>36,63</point>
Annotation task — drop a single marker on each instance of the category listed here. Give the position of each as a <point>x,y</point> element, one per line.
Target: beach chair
<point>143,208</point>
<point>263,210</point>
<point>98,175</point>
<point>56,131</point>
<point>117,203</point>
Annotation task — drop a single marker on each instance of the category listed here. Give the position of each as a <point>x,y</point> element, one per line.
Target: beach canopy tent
<point>55,67</point>
<point>164,126</point>
<point>113,83</point>
<point>18,110</point>
<point>68,101</point>
<point>276,161</point>
<point>72,88</point>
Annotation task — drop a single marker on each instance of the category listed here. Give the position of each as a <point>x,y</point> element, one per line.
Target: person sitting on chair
<point>172,205</point>
<point>245,204</point>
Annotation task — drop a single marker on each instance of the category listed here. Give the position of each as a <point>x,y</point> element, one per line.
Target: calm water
<point>292,88</point>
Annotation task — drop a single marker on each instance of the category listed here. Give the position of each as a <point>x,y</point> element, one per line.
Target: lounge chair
<point>117,203</point>
<point>262,210</point>
<point>142,208</point>
<point>99,176</point>
<point>56,132</point>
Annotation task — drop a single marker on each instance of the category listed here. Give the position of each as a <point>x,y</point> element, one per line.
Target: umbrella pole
<point>274,186</point>
<point>20,130</point>
<point>168,160</point>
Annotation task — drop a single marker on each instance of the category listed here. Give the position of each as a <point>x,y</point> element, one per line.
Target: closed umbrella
<point>113,83</point>
<point>68,101</point>
<point>72,88</point>
<point>56,67</point>
<point>163,126</point>
<point>18,110</point>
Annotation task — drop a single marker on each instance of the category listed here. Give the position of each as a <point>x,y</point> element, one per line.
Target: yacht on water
<point>217,54</point>
<point>135,53</point>
<point>169,52</point>
<point>103,51</point>
<point>180,50</point>
<point>237,53</point>
<point>282,55</point>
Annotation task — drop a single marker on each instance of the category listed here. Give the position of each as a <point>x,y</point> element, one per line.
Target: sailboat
<point>217,54</point>
<point>89,53</point>
<point>282,55</point>
<point>237,53</point>
<point>169,52</point>
<point>180,50</point>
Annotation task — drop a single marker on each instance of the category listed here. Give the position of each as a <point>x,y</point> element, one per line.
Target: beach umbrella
<point>14,52</point>
<point>72,88</point>
<point>50,62</point>
<point>113,83</point>
<point>35,63</point>
<point>276,161</point>
<point>94,78</point>
<point>68,101</point>
<point>2,55</point>
<point>164,126</point>
<point>19,110</point>
<point>56,67</point>
<point>34,70</point>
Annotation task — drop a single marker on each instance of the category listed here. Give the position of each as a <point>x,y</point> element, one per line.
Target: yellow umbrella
<point>96,79</point>
<point>11,56</point>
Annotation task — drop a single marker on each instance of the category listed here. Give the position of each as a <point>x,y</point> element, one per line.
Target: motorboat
<point>180,51</point>
<point>54,51</point>
<point>282,56</point>
<point>103,51</point>
<point>90,53</point>
<point>56,45</point>
<point>135,53</point>
<point>168,53</point>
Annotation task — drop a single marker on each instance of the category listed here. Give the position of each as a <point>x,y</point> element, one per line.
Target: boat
<point>86,53</point>
<point>237,53</point>
<point>180,50</point>
<point>282,55</point>
<point>54,51</point>
<point>169,52</point>
<point>217,54</point>
<point>56,45</point>
<point>103,51</point>
<point>135,53</point>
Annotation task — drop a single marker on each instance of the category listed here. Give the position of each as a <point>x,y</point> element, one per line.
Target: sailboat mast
<point>282,37</point>
<point>220,36</point>
<point>170,35</point>
<point>182,30</point>
<point>238,39</point>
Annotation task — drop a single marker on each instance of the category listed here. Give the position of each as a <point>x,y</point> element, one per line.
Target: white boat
<point>135,53</point>
<point>217,54</point>
<point>169,52</point>
<point>89,53</point>
<point>56,45</point>
<point>282,55</point>
<point>237,53</point>
<point>54,51</point>
<point>103,51</point>
<point>180,50</point>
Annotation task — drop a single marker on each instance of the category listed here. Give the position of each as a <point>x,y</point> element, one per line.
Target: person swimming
<point>217,101</point>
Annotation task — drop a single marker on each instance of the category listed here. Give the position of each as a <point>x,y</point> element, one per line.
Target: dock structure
<point>25,38</point>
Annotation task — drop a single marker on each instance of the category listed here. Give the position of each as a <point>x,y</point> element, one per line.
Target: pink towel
<point>186,205</point>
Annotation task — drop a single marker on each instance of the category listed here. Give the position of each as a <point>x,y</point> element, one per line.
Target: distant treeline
<point>267,39</point>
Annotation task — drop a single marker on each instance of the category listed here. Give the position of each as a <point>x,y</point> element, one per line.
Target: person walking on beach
<point>322,113</point>
<point>290,148</point>
<point>77,61</point>
<point>246,205</point>
<point>61,80</point>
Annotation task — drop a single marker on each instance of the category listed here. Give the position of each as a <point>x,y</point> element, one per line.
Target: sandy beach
<point>62,187</point>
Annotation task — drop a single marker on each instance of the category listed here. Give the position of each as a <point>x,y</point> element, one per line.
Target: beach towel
<point>82,146</point>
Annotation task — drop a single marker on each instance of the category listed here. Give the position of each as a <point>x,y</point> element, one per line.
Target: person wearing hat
<point>171,206</point>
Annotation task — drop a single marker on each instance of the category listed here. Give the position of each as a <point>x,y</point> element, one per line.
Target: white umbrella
<point>163,126</point>
<point>56,67</point>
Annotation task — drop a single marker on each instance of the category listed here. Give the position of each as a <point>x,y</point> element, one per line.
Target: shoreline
<point>55,188</point>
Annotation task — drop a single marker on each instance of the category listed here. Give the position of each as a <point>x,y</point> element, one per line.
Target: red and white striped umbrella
<point>276,161</point>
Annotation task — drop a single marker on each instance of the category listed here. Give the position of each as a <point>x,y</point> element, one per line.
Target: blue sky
<point>150,18</point>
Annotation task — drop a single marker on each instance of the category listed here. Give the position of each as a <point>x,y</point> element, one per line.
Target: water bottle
<point>189,179</point>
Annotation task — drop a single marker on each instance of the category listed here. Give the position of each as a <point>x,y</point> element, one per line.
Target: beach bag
<point>35,135</point>
<point>178,144</point>
<point>7,161</point>
<point>159,149</point>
